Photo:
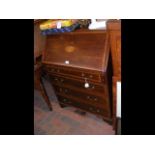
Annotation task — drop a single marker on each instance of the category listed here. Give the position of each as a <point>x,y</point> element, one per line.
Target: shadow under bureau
<point>78,64</point>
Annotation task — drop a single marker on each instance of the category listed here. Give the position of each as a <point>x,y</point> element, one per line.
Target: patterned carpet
<point>65,121</point>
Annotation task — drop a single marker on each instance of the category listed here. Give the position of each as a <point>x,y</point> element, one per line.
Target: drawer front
<point>93,88</point>
<point>83,106</point>
<point>75,73</point>
<point>83,97</point>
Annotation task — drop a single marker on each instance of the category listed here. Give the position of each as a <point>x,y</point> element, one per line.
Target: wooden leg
<point>38,84</point>
<point>44,94</point>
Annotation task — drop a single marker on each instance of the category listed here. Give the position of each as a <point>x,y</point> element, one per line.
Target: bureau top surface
<point>83,49</point>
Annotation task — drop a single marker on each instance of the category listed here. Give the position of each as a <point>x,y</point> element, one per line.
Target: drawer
<point>79,85</point>
<point>75,73</point>
<point>83,106</point>
<point>84,97</point>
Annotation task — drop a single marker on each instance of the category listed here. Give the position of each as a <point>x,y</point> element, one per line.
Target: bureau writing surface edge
<point>79,69</point>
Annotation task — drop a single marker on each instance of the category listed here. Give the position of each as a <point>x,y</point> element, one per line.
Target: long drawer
<point>80,85</point>
<point>75,73</point>
<point>83,97</point>
<point>87,107</point>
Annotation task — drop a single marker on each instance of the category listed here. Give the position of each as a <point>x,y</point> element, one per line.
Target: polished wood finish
<point>84,49</point>
<point>114,29</point>
<point>87,55</point>
<point>78,73</point>
<point>78,84</point>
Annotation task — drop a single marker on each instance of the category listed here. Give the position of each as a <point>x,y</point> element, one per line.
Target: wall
<point>39,40</point>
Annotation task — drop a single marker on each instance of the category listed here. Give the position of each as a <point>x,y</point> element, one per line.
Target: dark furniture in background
<point>79,69</point>
<point>114,29</point>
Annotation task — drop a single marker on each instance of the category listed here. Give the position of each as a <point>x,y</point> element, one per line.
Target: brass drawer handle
<point>83,74</point>
<point>66,90</point>
<point>93,87</point>
<point>95,99</point>
<point>88,97</point>
<point>56,79</point>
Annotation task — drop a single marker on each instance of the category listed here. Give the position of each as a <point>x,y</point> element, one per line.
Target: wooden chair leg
<point>44,94</point>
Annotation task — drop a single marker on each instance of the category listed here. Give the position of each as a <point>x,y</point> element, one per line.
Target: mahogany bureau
<point>78,64</point>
